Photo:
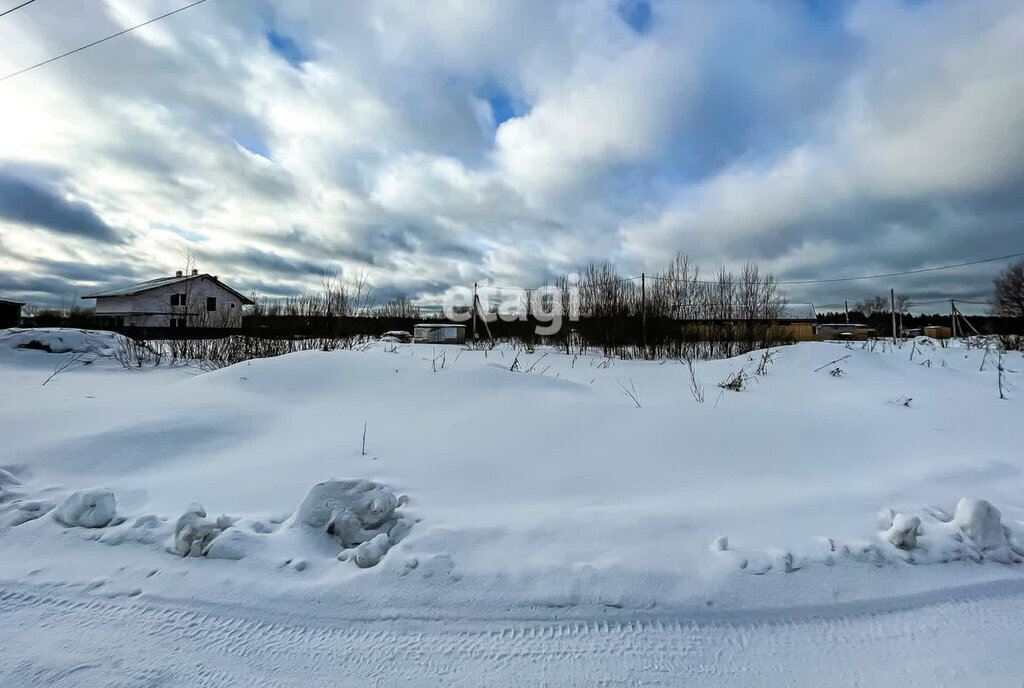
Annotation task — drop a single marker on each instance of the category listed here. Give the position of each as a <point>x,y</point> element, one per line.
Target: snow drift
<point>974,532</point>
<point>360,514</point>
<point>57,340</point>
<point>94,508</point>
<point>362,517</point>
<point>194,535</point>
<point>535,493</point>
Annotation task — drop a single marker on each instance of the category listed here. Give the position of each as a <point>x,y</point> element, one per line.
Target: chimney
<point>178,273</point>
<point>195,272</point>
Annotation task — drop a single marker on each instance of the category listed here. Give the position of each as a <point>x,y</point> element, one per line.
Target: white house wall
<point>152,308</point>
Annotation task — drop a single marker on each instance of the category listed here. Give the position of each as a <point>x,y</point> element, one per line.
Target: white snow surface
<point>94,508</point>
<point>59,340</point>
<point>511,506</point>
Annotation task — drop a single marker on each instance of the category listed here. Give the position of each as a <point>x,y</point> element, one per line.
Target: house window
<point>177,299</point>
<point>211,303</point>
<point>177,322</point>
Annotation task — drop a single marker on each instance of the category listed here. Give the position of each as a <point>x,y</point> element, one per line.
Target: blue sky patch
<point>503,106</point>
<point>249,137</point>
<point>636,13</point>
<point>287,48</point>
<point>174,229</point>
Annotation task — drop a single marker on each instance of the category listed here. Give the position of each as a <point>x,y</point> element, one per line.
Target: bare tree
<point>399,307</point>
<point>872,305</point>
<point>334,301</point>
<point>362,297</point>
<point>1009,297</point>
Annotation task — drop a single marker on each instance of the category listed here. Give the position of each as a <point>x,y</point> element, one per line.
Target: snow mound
<point>197,536</point>
<point>361,514</point>
<point>981,522</point>
<point>94,508</point>
<point>22,511</point>
<point>58,340</point>
<point>7,478</point>
<point>975,532</point>
<point>904,531</point>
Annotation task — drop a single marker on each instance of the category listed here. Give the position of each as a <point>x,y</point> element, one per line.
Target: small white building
<point>181,301</point>
<point>439,333</point>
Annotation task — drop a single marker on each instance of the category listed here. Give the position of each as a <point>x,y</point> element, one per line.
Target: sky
<point>436,144</point>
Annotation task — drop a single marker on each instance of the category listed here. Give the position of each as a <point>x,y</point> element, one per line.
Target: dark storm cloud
<point>46,291</point>
<point>257,261</point>
<point>413,290</point>
<point>378,244</point>
<point>28,202</point>
<point>111,273</point>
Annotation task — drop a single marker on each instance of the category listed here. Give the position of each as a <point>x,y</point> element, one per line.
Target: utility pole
<point>846,307</point>
<point>892,297</point>
<point>643,306</point>
<point>475,301</point>
<point>952,316</point>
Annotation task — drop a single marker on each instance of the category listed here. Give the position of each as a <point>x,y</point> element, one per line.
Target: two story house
<point>193,300</point>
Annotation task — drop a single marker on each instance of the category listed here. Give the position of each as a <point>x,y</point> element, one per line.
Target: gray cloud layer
<point>27,202</point>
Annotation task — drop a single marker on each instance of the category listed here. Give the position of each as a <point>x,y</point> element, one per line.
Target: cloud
<point>29,202</point>
<point>511,141</point>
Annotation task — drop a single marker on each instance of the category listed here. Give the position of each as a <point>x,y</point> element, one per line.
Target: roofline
<point>246,301</point>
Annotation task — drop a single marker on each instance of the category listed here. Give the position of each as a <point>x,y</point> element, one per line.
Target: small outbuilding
<point>10,313</point>
<point>397,336</point>
<point>938,332</point>
<point>845,332</point>
<point>439,333</point>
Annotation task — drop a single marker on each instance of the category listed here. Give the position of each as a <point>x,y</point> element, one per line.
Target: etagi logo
<point>549,305</point>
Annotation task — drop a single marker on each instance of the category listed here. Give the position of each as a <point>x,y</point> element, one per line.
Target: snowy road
<point>52,638</point>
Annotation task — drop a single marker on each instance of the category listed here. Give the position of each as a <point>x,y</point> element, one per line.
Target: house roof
<point>436,325</point>
<point>139,287</point>
<point>798,311</point>
<point>11,303</point>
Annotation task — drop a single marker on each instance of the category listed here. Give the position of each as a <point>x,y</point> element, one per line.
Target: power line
<point>663,278</point>
<point>16,7</point>
<point>102,40</point>
<point>912,303</point>
<point>863,277</point>
<point>603,283</point>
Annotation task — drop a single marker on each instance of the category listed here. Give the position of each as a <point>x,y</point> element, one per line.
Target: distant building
<point>938,332</point>
<point>439,333</point>
<point>10,313</point>
<point>181,301</point>
<point>845,331</point>
<point>797,320</point>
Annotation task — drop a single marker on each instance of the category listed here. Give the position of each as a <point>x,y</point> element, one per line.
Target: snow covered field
<point>527,526</point>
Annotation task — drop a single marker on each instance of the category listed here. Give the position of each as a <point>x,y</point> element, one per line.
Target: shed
<point>844,331</point>
<point>10,313</point>
<point>439,333</point>
<point>937,332</point>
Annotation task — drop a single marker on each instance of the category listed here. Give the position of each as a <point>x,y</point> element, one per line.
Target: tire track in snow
<point>60,639</point>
